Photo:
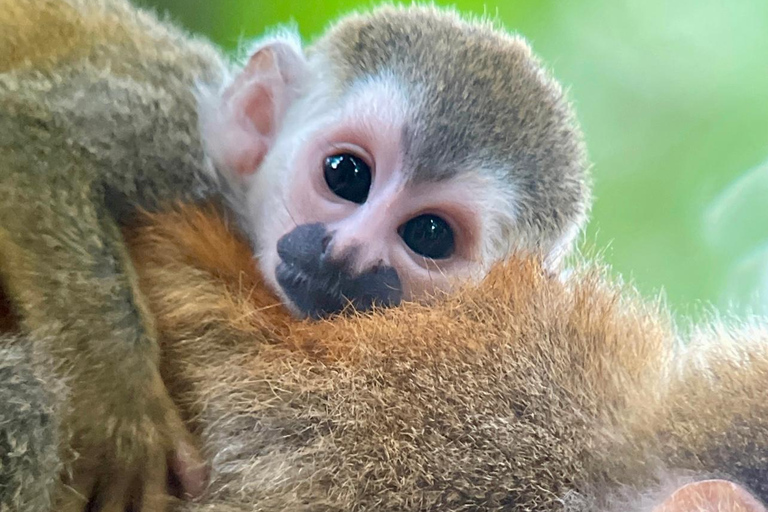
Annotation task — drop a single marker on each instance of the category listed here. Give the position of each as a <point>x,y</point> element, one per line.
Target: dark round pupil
<point>348,176</point>
<point>429,236</point>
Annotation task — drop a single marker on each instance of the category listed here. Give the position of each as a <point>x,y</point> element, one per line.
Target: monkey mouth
<point>314,298</point>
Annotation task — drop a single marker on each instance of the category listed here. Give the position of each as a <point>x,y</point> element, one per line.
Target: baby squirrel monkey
<point>405,149</point>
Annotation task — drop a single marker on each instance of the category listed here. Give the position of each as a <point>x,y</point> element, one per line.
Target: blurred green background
<point>673,97</point>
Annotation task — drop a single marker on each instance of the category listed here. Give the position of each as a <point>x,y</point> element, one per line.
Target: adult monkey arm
<point>98,117</point>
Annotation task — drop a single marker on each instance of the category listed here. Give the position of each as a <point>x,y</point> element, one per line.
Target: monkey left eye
<point>348,176</point>
<point>429,236</point>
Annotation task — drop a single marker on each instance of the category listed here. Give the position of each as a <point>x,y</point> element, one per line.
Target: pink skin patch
<point>711,496</point>
<point>188,472</point>
<point>240,126</point>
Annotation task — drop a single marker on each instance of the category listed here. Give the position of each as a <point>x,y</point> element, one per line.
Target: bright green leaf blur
<point>673,97</point>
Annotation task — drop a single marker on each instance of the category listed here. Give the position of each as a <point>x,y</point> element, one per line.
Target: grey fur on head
<point>481,100</point>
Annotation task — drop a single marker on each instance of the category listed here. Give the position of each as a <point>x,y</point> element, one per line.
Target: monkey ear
<point>239,125</point>
<point>711,496</point>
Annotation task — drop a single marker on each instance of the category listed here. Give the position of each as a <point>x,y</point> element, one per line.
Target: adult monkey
<point>527,393</point>
<point>407,150</point>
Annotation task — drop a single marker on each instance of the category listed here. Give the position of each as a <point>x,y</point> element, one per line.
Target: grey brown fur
<point>480,99</point>
<point>29,436</point>
<point>98,117</point>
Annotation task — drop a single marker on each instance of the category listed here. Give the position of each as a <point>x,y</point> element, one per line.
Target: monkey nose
<point>325,243</point>
<point>305,247</point>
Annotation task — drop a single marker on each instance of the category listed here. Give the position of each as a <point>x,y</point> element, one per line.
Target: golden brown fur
<point>525,393</point>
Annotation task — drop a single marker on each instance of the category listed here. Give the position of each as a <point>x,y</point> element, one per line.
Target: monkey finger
<point>113,494</point>
<point>151,495</point>
<point>74,496</point>
<point>711,496</point>
<point>188,470</point>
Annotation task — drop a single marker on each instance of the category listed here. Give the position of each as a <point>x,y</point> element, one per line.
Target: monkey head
<point>405,150</point>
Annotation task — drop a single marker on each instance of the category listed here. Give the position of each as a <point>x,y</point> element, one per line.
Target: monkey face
<point>345,223</point>
<point>336,205</point>
<point>338,210</point>
<point>372,177</point>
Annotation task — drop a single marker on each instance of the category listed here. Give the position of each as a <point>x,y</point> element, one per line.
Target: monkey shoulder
<point>112,103</point>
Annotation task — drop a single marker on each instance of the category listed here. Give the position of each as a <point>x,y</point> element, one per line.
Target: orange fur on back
<point>525,393</point>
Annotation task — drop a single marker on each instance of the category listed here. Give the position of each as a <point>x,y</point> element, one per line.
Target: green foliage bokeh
<point>673,98</point>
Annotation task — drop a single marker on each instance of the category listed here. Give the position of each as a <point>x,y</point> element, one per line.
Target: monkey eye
<point>348,176</point>
<point>429,236</point>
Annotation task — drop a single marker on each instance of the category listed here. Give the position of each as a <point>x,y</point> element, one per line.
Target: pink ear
<point>711,496</point>
<point>239,126</point>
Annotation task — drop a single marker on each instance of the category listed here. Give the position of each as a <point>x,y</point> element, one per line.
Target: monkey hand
<point>126,449</point>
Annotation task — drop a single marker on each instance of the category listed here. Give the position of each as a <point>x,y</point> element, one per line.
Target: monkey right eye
<point>348,176</point>
<point>429,236</point>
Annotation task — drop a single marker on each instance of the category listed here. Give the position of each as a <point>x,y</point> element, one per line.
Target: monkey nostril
<point>325,243</point>
<point>378,267</point>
